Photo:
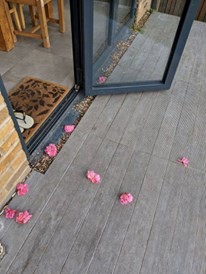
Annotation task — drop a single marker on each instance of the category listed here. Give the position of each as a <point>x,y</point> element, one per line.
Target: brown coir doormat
<point>37,98</point>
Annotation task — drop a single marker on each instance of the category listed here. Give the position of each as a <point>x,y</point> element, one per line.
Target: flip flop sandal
<point>21,129</point>
<point>24,121</point>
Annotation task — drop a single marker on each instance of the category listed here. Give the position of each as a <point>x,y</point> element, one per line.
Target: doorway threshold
<point>49,131</point>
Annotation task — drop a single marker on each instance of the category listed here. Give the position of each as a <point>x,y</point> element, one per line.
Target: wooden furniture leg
<point>49,10</point>
<point>43,23</point>
<point>32,11</point>
<point>61,15</point>
<point>16,18</point>
<point>7,36</point>
<point>21,15</point>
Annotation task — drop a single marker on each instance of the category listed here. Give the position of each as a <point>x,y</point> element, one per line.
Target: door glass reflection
<point>132,40</point>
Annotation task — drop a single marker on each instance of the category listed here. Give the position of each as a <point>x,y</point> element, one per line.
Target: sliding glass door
<point>131,46</point>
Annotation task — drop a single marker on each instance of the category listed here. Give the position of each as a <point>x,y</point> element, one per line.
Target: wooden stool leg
<point>32,12</point>
<point>16,17</point>
<point>61,15</point>
<point>43,23</point>
<point>8,15</point>
<point>49,10</point>
<point>21,15</point>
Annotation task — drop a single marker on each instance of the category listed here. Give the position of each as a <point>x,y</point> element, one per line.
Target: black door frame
<point>183,30</point>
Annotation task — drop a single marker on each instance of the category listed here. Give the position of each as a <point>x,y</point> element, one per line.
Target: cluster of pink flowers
<point>102,79</point>
<point>51,150</point>
<point>125,198</point>
<point>69,128</point>
<point>22,189</point>
<point>21,217</point>
<point>184,161</point>
<point>93,177</point>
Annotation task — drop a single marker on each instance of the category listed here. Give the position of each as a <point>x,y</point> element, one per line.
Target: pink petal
<point>93,177</point>
<point>22,189</point>
<point>9,213</point>
<point>184,161</point>
<point>125,198</point>
<point>51,150</point>
<point>69,128</point>
<point>102,79</point>
<point>23,217</point>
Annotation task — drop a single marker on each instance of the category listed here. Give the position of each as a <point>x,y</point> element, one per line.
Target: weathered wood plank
<point>93,113</point>
<point>50,183</point>
<point>156,255</point>
<point>182,248</point>
<point>138,119</point>
<point>76,212</point>
<point>199,263</point>
<point>109,246</point>
<point>197,149</point>
<point>122,118</point>
<point>85,244</point>
<point>184,132</point>
<point>135,243</point>
<point>163,144</point>
<point>198,72</point>
<point>105,120</point>
<point>147,136</point>
<point>34,182</point>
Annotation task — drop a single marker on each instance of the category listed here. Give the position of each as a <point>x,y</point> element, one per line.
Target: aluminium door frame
<point>182,33</point>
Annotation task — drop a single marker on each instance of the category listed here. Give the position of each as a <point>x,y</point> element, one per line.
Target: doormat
<point>37,98</point>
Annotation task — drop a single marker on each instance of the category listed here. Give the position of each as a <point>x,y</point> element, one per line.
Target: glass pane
<point>38,78</point>
<point>100,31</point>
<point>137,39</point>
<point>123,13</point>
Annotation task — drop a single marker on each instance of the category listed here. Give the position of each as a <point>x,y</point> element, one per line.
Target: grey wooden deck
<point>133,141</point>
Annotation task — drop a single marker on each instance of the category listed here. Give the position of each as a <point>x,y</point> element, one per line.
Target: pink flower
<point>69,128</point>
<point>9,213</point>
<point>23,217</point>
<point>51,150</point>
<point>125,198</point>
<point>102,79</point>
<point>184,161</point>
<point>22,189</point>
<point>93,177</point>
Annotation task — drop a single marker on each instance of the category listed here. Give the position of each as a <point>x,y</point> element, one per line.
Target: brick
<point>6,130</point>
<point>1,98</point>
<point>7,159</point>
<point>5,193</point>
<point>3,115</point>
<point>3,196</point>
<point>10,164</point>
<point>22,172</point>
<point>3,105</point>
<point>5,176</point>
<point>12,139</point>
<point>18,160</point>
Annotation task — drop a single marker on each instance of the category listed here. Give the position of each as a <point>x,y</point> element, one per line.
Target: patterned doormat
<point>37,98</point>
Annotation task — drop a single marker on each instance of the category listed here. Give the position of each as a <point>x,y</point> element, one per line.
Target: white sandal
<point>24,121</point>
